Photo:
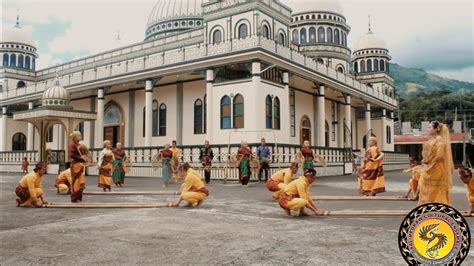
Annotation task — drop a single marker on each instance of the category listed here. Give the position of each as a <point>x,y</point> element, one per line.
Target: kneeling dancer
<point>63,182</point>
<point>296,195</point>
<point>280,179</point>
<point>30,188</point>
<point>193,190</point>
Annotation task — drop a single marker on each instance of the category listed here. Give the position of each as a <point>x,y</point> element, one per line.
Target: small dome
<point>56,95</point>
<point>370,41</point>
<point>17,34</point>
<point>332,6</point>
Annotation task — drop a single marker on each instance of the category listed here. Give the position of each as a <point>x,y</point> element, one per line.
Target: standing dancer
<point>118,174</point>
<point>437,168</point>
<point>280,179</point>
<point>78,160</point>
<point>244,155</point>
<point>205,156</point>
<point>106,158</point>
<point>466,177</point>
<point>176,157</point>
<point>24,166</point>
<point>263,155</point>
<point>166,155</point>
<point>193,190</point>
<point>30,188</point>
<point>371,178</point>
<point>308,157</point>
<point>413,190</point>
<point>297,195</point>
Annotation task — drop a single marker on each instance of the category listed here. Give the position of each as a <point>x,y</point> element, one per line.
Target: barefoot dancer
<point>307,155</point>
<point>78,160</point>
<point>244,155</point>
<point>193,190</point>
<point>371,178</point>
<point>466,177</point>
<point>176,157</point>
<point>280,179</point>
<point>105,171</point>
<point>118,175</point>
<point>166,155</point>
<point>30,188</point>
<point>296,195</point>
<point>63,182</point>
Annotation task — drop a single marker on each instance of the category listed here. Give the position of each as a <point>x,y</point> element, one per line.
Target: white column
<point>287,123</point>
<point>148,112</point>
<point>368,124</point>
<point>99,125</point>
<point>340,126</point>
<point>383,138</point>
<point>30,139</point>
<point>210,104</point>
<point>3,130</point>
<point>256,122</point>
<point>320,120</point>
<point>348,114</point>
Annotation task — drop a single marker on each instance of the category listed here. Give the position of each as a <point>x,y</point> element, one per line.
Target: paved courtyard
<point>236,225</point>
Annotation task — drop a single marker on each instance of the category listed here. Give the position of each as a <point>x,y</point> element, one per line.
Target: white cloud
<point>464,74</point>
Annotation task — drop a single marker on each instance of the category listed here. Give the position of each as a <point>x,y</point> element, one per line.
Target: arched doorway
<point>113,123</point>
<point>305,130</point>
<point>19,142</point>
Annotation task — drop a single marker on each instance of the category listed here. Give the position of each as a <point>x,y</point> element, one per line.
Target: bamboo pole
<point>376,213</point>
<point>384,198</point>
<point>108,205</point>
<point>133,193</point>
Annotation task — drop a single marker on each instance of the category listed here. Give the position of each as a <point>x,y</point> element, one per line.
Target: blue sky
<point>430,34</point>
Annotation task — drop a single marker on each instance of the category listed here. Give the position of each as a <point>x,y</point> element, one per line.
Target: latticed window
<point>268,112</point>
<point>198,125</point>
<point>162,125</point>
<point>243,31</point>
<point>276,113</point>
<point>295,39</point>
<point>155,118</point>
<point>266,31</point>
<point>217,37</point>
<point>336,37</point>
<point>369,65</point>
<point>329,35</point>
<point>281,39</point>
<point>225,113</point>
<point>312,35</point>
<point>321,35</point>
<point>238,111</point>
<point>303,39</point>
<point>19,142</point>
<point>272,74</point>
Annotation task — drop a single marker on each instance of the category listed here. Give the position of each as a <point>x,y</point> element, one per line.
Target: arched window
<point>238,121</point>
<point>162,124</point>
<point>198,117</point>
<point>144,113</point>
<point>340,69</point>
<point>303,39</point>
<point>217,37</point>
<point>376,65</point>
<point>321,37</point>
<point>329,35</point>
<point>204,129</point>
<point>320,61</point>
<point>356,67</point>
<point>112,116</point>
<point>344,39</point>
<point>389,135</point>
<point>20,84</point>
<point>225,113</point>
<point>20,61</point>
<point>369,65</point>
<point>6,61</point>
<point>336,36</point>
<point>266,31</point>
<point>388,67</point>
<point>305,130</point>
<point>155,118</point>
<point>281,39</point>
<point>276,113</point>
<point>382,65</point>
<point>33,65</point>
<point>268,112</point>
<point>243,31</point>
<point>326,133</point>
<point>362,66</point>
<point>19,142</point>
<point>50,134</point>
<point>27,62</point>
<point>312,35</point>
<point>13,60</point>
<point>295,37</point>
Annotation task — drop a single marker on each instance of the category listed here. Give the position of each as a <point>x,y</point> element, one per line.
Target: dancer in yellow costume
<point>296,195</point>
<point>63,182</point>
<point>30,188</point>
<point>371,177</point>
<point>280,179</point>
<point>466,177</point>
<point>436,171</point>
<point>193,190</point>
<point>175,160</point>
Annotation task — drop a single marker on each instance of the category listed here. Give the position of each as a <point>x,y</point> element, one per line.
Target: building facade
<point>222,71</point>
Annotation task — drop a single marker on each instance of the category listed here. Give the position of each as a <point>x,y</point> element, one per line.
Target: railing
<point>16,157</point>
<point>148,56</point>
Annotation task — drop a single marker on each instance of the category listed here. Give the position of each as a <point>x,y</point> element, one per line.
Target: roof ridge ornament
<point>17,24</point>
<point>370,27</point>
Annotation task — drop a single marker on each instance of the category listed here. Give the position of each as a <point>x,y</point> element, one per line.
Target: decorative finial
<point>17,24</point>
<point>118,36</point>
<point>370,27</point>
<point>56,78</point>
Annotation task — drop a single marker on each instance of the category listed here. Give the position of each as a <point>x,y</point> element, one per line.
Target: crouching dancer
<point>30,188</point>
<point>63,182</point>
<point>296,195</point>
<point>193,190</point>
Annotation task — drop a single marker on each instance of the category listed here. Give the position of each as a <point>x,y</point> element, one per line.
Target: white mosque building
<point>218,70</point>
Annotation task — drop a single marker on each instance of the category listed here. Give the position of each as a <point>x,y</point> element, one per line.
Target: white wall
<point>304,106</point>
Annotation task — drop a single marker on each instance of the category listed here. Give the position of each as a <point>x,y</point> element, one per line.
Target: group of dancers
<point>431,181</point>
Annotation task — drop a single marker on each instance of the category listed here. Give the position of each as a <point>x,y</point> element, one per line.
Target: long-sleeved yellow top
<point>176,153</point>
<point>300,188</point>
<point>65,176</point>
<point>196,173</point>
<point>284,176</point>
<point>192,181</point>
<point>31,181</point>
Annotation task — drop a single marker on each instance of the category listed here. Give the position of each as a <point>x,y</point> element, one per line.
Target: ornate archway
<point>305,129</point>
<point>114,125</point>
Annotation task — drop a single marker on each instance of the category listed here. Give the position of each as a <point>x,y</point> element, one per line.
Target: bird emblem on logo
<point>435,240</point>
